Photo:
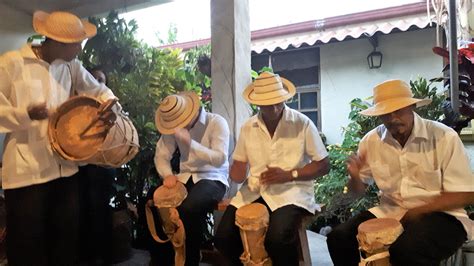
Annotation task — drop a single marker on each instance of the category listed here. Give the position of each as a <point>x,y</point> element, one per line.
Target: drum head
<point>70,121</point>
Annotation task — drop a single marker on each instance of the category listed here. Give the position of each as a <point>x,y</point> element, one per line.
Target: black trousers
<point>202,198</point>
<point>42,223</point>
<point>427,241</point>
<point>95,214</point>
<point>281,240</point>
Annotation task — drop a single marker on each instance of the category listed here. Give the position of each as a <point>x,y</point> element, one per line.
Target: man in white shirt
<point>424,177</point>
<point>203,142</point>
<point>40,187</point>
<point>283,153</point>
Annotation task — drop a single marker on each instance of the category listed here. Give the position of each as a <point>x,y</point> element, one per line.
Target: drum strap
<point>151,223</point>
<point>374,257</point>
<point>72,90</point>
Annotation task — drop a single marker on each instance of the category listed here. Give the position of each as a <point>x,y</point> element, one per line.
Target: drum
<point>76,134</point>
<point>375,237</point>
<point>252,220</point>
<point>167,200</point>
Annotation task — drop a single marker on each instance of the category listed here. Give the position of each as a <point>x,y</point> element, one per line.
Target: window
<point>301,67</point>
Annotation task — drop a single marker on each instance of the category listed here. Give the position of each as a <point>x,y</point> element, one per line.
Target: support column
<point>230,42</point>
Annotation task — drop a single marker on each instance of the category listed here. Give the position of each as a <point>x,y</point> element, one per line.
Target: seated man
<point>203,142</point>
<point>284,153</point>
<point>423,174</point>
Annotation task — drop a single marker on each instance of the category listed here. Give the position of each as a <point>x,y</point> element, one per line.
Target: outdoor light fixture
<point>374,59</point>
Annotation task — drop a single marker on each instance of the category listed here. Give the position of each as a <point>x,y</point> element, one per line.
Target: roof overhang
<point>337,28</point>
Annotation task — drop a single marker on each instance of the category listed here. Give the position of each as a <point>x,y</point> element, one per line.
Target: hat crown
<point>63,26</point>
<point>266,82</point>
<point>171,107</point>
<point>391,89</point>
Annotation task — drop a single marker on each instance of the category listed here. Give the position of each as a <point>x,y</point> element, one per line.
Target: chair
<point>464,256</point>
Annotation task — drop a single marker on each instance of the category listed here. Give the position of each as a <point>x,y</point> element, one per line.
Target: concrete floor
<point>317,245</point>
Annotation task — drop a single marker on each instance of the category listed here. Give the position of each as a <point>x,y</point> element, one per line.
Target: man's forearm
<point>448,201</point>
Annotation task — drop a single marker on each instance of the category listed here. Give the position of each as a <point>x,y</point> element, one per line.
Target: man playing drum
<point>203,142</point>
<point>423,173</point>
<point>40,187</point>
<point>284,153</point>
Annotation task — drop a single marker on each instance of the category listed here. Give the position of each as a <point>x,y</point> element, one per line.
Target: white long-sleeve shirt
<point>28,158</point>
<point>207,156</point>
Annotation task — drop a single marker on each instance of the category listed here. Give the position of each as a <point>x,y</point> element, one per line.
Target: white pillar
<point>230,42</point>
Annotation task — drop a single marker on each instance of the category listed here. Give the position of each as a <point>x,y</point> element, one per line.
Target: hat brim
<point>39,25</point>
<point>392,105</point>
<point>192,105</point>
<point>271,97</point>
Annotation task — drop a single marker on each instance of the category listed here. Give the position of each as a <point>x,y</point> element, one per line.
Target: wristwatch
<point>294,174</point>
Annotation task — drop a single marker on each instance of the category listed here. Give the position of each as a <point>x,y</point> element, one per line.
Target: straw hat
<point>392,95</point>
<point>269,89</point>
<point>176,111</point>
<point>63,26</point>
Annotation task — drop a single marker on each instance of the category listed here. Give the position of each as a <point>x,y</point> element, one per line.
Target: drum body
<point>252,220</point>
<point>167,200</point>
<point>76,134</point>
<point>375,237</point>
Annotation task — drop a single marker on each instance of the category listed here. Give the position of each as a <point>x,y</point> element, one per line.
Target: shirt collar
<point>202,116</point>
<point>418,131</point>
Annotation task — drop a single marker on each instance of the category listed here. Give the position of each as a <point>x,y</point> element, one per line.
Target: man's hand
<point>275,175</point>
<point>182,136</point>
<point>38,111</point>
<point>170,181</point>
<point>354,164</point>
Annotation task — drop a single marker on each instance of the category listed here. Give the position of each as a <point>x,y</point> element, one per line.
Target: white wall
<point>15,28</point>
<point>345,74</point>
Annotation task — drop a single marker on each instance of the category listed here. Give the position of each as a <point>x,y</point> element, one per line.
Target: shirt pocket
<point>428,179</point>
<point>31,159</point>
<point>381,175</point>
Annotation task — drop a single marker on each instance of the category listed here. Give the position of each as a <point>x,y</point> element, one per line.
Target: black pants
<point>202,198</point>
<point>95,227</point>
<point>281,240</point>
<point>427,241</point>
<point>42,223</point>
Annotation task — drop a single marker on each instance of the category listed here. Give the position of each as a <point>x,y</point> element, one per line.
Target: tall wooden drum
<point>252,219</point>
<point>375,237</point>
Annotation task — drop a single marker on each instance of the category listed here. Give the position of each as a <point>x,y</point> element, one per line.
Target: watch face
<point>294,174</point>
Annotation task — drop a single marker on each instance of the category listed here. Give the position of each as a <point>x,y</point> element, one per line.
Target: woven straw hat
<point>165,197</point>
<point>63,26</point>
<point>269,89</point>
<point>392,95</point>
<point>176,111</point>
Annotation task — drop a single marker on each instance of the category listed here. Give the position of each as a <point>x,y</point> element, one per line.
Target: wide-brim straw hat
<point>63,26</point>
<point>392,95</point>
<point>176,111</point>
<point>269,89</point>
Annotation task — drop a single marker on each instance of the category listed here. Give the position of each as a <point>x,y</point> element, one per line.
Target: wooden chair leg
<point>304,254</point>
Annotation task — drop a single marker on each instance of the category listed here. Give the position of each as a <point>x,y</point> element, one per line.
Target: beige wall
<point>15,27</point>
<point>345,74</point>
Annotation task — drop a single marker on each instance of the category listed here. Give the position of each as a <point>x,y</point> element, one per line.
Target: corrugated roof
<point>334,28</point>
<point>339,33</point>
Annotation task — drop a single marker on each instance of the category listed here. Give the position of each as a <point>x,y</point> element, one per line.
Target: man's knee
<point>336,237</point>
